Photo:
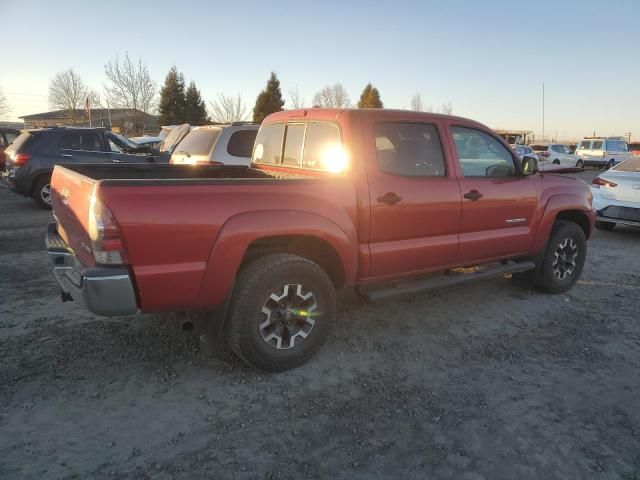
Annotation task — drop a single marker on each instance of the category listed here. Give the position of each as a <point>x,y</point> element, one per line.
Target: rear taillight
<point>106,240</point>
<point>21,159</point>
<point>601,182</point>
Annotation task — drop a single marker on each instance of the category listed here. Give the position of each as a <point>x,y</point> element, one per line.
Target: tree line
<point>129,85</point>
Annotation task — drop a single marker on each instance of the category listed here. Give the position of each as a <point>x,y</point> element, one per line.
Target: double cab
<point>381,200</point>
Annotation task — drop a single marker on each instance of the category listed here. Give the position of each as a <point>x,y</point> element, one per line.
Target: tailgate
<point>71,196</point>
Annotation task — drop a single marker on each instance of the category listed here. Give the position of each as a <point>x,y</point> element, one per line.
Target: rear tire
<point>563,259</point>
<point>607,226</point>
<point>579,164</point>
<point>556,162</point>
<point>42,192</point>
<point>281,312</point>
<point>611,164</point>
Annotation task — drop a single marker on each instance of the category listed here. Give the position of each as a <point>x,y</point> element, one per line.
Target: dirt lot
<point>481,381</point>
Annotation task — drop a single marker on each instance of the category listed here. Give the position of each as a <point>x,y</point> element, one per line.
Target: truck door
<point>498,202</point>
<point>414,195</point>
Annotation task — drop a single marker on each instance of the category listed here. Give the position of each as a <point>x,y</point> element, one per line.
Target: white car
<point>616,195</point>
<point>217,144</point>
<point>524,151</point>
<point>555,156</point>
<point>603,152</point>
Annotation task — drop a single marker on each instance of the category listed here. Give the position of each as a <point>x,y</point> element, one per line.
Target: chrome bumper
<point>106,291</point>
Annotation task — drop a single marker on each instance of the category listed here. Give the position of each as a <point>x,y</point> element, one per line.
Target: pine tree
<point>370,97</point>
<point>195,109</point>
<point>172,99</point>
<point>269,100</point>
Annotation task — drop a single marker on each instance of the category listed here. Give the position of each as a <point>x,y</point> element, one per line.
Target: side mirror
<point>529,165</point>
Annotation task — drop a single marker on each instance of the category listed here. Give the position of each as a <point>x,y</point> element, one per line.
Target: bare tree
<point>417,105</point>
<point>332,97</point>
<point>295,99</point>
<point>67,92</point>
<point>130,86</point>
<point>4,105</point>
<point>447,108</point>
<point>227,109</point>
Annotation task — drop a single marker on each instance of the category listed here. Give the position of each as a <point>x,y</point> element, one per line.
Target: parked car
<point>554,156</point>
<point>223,144</point>
<point>603,152</point>
<point>7,137</point>
<point>616,195</point>
<point>371,198</point>
<point>523,151</point>
<point>634,148</point>
<point>31,158</point>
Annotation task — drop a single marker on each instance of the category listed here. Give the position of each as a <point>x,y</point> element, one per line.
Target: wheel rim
<point>288,316</point>
<point>564,259</point>
<point>45,194</point>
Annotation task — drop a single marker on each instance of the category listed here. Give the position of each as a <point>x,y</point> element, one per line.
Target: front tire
<point>42,192</point>
<point>607,226</point>
<point>611,164</point>
<point>579,164</point>
<point>281,312</point>
<point>563,259</point>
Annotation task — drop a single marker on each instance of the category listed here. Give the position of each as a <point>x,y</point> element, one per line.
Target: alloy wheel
<point>45,194</point>
<point>288,316</point>
<point>564,259</point>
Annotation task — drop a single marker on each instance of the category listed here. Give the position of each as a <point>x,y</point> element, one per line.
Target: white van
<point>603,152</point>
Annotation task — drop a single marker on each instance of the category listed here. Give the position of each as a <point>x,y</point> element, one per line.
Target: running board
<point>443,281</point>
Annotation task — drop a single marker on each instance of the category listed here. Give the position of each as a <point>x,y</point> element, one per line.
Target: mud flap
<point>212,335</point>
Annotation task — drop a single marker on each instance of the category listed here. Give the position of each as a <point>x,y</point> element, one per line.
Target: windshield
<point>632,165</point>
<point>198,142</point>
<point>125,142</point>
<point>584,145</point>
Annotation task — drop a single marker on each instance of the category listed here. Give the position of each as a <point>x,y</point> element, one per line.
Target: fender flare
<point>239,231</point>
<point>555,205</point>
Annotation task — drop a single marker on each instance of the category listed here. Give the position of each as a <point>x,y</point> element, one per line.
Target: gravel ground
<point>480,381</point>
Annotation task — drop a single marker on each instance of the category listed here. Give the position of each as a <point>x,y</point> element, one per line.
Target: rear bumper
<point>106,291</point>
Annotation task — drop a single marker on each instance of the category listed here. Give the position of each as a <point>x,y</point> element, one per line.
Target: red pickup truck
<point>382,200</point>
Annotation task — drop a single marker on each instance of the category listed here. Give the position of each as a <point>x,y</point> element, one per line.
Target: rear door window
<point>241,143</point>
<point>88,142</point>
<point>268,146</point>
<point>409,149</point>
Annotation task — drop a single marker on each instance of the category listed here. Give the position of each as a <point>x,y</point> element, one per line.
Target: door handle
<point>66,155</point>
<point>389,198</point>
<point>473,195</point>
<point>115,160</point>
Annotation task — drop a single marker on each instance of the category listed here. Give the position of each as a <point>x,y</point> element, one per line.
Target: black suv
<point>32,156</point>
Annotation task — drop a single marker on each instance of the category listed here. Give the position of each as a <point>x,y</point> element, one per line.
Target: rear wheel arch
<point>312,248</point>
<point>36,181</point>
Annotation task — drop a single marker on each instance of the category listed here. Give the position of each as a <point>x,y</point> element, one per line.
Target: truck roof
<point>332,114</point>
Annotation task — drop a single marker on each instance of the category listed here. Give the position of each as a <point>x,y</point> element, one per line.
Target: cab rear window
<point>311,145</point>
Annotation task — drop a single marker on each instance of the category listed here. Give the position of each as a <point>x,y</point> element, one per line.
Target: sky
<point>488,58</point>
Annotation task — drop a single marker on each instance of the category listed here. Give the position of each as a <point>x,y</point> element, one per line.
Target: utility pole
<point>543,111</point>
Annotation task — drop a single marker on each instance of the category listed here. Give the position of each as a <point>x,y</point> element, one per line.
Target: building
<point>521,137</point>
<point>127,121</point>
